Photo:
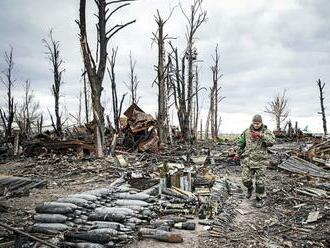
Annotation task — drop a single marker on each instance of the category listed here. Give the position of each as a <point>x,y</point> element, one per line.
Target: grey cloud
<point>265,47</point>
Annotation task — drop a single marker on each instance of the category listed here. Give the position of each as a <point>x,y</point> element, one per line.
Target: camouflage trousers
<point>247,179</point>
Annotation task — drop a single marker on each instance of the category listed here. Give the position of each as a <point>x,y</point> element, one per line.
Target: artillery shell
<point>50,218</point>
<point>102,235</point>
<point>107,217</point>
<point>87,197</point>
<point>56,208</point>
<point>121,202</point>
<point>77,201</point>
<point>114,210</point>
<point>48,228</point>
<point>83,245</point>
<point>185,225</point>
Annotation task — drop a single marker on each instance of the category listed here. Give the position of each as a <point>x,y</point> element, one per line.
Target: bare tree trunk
<point>201,130</point>
<point>28,113</point>
<point>296,128</point>
<point>212,117</point>
<point>207,124</point>
<point>290,129</point>
<point>167,99</point>
<point>196,101</point>
<point>56,61</point>
<point>86,99</point>
<point>324,120</point>
<point>27,106</point>
<point>116,108</point>
<point>169,130</point>
<point>99,141</point>
<point>95,71</point>
<point>278,108</point>
<point>278,123</point>
<point>215,79</point>
<point>8,118</point>
<point>16,143</point>
<point>217,98</point>
<point>133,83</point>
<point>178,85</point>
<point>39,124</point>
<point>161,79</point>
<point>79,107</point>
<point>195,19</point>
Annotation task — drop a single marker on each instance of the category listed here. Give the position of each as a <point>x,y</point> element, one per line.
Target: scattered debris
<point>167,195</point>
<point>140,131</point>
<point>320,152</point>
<point>312,216</point>
<point>298,165</point>
<point>18,186</point>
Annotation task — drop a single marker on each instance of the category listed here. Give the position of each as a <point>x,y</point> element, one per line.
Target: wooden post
<point>201,130</point>
<point>324,120</point>
<point>16,141</point>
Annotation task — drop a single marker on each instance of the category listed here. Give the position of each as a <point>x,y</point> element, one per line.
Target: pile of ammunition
<point>109,217</point>
<point>97,218</point>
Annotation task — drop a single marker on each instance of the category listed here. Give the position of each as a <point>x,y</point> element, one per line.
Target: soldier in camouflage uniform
<point>252,148</point>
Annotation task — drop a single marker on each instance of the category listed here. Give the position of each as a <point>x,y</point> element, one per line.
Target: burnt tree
<point>324,120</point>
<point>133,83</point>
<point>216,98</point>
<point>195,18</point>
<point>39,124</point>
<point>29,111</point>
<point>116,106</point>
<point>86,97</point>
<point>7,116</point>
<point>159,37</point>
<point>177,81</point>
<point>196,107</point>
<point>96,65</point>
<point>278,108</point>
<point>53,54</point>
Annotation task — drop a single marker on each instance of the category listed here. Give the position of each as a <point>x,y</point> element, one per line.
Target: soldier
<point>252,148</point>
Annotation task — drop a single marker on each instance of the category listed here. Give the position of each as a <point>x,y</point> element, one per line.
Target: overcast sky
<point>266,46</point>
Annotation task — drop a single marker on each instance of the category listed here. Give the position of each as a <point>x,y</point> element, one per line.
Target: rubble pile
<point>140,130</point>
<point>302,214</point>
<point>45,144</point>
<point>320,153</point>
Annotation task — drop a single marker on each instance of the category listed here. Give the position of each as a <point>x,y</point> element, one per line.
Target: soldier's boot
<point>249,185</point>
<point>249,193</point>
<point>260,194</point>
<point>260,202</point>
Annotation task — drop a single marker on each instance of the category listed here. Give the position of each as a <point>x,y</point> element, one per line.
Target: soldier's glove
<point>256,135</point>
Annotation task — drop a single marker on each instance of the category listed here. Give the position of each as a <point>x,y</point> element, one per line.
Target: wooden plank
<point>298,165</point>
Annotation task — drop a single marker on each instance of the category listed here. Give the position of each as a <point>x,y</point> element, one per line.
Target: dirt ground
<point>280,223</point>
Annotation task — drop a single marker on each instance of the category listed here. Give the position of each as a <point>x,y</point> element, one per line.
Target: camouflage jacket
<point>254,152</point>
